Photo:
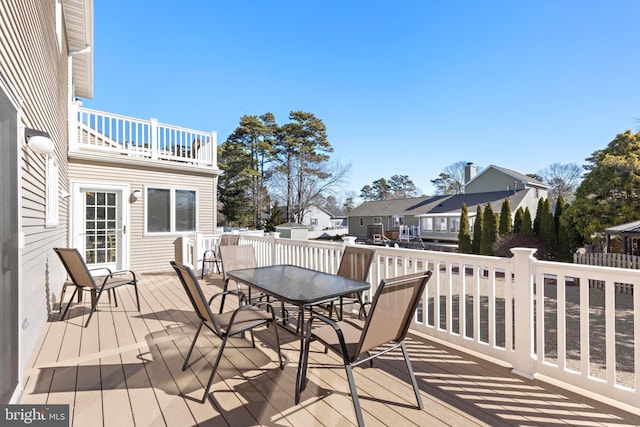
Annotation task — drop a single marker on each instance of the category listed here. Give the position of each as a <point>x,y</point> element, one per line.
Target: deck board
<point>124,369</point>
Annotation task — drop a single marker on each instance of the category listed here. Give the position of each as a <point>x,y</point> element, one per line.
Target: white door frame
<point>77,215</point>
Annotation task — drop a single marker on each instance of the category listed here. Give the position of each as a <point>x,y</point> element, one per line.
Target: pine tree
<point>517,220</point>
<point>536,220</point>
<point>525,228</point>
<point>477,231</point>
<point>546,231</point>
<point>464,234</point>
<point>489,231</point>
<point>506,225</point>
<point>563,247</point>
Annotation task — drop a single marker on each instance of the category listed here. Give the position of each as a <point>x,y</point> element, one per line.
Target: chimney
<point>469,172</point>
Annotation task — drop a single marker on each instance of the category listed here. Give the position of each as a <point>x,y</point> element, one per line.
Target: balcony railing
<point>563,322</point>
<point>142,139</point>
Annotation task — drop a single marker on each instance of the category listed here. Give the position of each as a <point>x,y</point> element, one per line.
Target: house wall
<point>150,252</point>
<point>324,220</point>
<point>34,67</point>
<point>492,180</point>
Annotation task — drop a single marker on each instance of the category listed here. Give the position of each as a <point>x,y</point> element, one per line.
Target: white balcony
<point>129,139</point>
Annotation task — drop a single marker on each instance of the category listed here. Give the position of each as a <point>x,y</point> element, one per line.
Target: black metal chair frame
<point>354,359</point>
<point>219,324</point>
<point>110,281</point>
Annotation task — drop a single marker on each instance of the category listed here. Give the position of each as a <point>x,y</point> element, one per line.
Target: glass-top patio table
<point>298,286</point>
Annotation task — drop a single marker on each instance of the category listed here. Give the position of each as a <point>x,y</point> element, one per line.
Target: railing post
<point>274,256</point>
<point>349,240</point>
<point>154,138</point>
<point>524,356</point>
<point>213,147</point>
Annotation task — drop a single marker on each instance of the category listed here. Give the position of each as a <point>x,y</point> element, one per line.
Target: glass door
<point>103,228</point>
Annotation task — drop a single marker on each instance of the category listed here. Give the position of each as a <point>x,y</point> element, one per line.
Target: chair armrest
<point>123,272</point>
<point>101,268</point>
<point>241,295</point>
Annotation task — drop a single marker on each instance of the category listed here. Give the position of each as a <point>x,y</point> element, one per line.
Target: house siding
<point>32,66</point>
<point>492,180</point>
<point>150,252</point>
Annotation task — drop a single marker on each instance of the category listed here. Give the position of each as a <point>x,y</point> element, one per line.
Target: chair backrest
<point>392,310</point>
<point>229,239</point>
<point>356,262</point>
<point>76,267</point>
<point>194,292</point>
<point>237,257</point>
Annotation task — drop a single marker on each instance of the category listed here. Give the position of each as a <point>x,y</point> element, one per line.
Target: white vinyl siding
<point>52,193</point>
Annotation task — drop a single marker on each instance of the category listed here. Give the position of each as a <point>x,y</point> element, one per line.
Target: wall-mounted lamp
<point>38,141</point>
<point>137,194</point>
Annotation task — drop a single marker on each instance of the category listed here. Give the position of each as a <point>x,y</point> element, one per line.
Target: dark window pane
<point>101,198</point>
<point>158,210</point>
<point>185,210</point>
<point>91,198</point>
<point>111,199</point>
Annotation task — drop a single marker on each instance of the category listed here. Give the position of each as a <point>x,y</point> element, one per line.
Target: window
<point>361,222</point>
<point>170,210</point>
<point>441,225</point>
<point>427,224</point>
<point>377,220</point>
<point>454,225</point>
<point>51,195</point>
<point>398,220</point>
<point>314,221</point>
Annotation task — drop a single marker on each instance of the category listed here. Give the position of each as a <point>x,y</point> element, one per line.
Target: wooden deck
<point>125,370</point>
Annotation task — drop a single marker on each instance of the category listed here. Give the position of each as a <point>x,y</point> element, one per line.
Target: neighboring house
<point>121,190</point>
<point>438,217</point>
<point>319,218</point>
<point>385,214</point>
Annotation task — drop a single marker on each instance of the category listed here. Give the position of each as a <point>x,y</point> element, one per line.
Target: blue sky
<point>405,87</point>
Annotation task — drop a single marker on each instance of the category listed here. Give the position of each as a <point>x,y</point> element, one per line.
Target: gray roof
<point>628,228</point>
<point>454,203</point>
<point>440,204</point>
<point>389,207</point>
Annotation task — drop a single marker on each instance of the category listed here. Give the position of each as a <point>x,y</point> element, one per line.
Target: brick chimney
<point>469,172</point>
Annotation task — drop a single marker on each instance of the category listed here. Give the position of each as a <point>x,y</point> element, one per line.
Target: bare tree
<point>451,179</point>
<point>563,179</point>
<point>315,187</point>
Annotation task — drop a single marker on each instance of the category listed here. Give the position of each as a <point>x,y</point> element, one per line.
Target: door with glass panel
<point>102,233</point>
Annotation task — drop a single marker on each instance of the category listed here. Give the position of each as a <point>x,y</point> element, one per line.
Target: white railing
<point>112,133</point>
<point>558,321</point>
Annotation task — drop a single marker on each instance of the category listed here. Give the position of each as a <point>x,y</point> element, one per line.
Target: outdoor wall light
<point>137,194</point>
<point>38,141</point>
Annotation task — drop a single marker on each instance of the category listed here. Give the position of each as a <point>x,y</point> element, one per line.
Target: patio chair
<point>354,264</point>
<point>226,324</point>
<point>236,258</point>
<point>212,256</point>
<point>83,280</point>
<point>392,311</point>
